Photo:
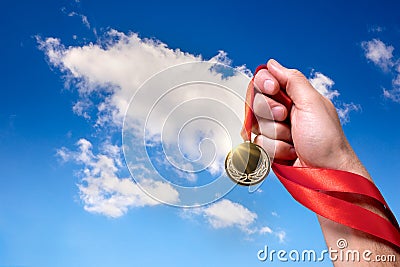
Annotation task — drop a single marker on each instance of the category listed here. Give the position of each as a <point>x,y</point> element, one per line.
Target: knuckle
<point>258,140</point>
<point>282,151</point>
<point>261,140</point>
<point>283,133</point>
<point>296,77</point>
<point>296,73</point>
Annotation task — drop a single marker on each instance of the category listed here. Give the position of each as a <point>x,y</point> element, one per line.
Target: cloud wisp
<point>226,214</point>
<point>323,84</point>
<point>381,55</point>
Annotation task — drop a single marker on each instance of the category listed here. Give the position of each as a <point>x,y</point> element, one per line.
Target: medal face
<point>247,164</point>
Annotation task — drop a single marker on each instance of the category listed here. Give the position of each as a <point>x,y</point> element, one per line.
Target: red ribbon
<point>328,192</point>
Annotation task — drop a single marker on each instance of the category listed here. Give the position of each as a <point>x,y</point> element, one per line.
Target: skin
<point>314,139</point>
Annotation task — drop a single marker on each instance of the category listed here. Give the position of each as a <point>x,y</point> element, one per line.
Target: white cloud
<point>281,236</point>
<point>83,18</point>
<point>376,29</point>
<point>102,190</point>
<point>265,230</point>
<point>323,84</point>
<point>116,67</point>
<point>344,110</point>
<point>108,73</point>
<point>396,80</point>
<point>379,53</point>
<point>82,108</point>
<point>394,93</point>
<point>228,214</point>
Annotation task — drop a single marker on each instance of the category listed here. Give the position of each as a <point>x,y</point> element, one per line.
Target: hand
<point>315,137</point>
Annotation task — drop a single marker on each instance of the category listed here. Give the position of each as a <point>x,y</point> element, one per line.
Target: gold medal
<point>248,164</point>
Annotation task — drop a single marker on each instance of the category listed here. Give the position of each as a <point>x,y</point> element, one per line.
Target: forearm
<point>357,240</point>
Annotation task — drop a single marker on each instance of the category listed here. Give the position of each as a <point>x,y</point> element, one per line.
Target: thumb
<point>294,82</point>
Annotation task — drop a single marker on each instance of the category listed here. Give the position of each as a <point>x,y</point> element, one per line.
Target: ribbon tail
<point>339,210</point>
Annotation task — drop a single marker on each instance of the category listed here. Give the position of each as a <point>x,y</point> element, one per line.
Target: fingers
<point>273,130</point>
<point>296,84</point>
<point>277,149</point>
<point>268,108</point>
<point>284,76</point>
<point>266,83</point>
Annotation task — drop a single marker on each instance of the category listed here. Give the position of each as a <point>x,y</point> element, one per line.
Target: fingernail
<point>278,112</point>
<point>268,86</point>
<point>275,63</point>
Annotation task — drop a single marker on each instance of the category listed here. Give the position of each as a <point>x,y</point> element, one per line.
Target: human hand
<point>314,137</point>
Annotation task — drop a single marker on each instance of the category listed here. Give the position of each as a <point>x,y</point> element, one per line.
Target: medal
<point>247,164</point>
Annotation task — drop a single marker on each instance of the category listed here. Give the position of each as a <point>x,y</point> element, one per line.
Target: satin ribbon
<point>328,192</point>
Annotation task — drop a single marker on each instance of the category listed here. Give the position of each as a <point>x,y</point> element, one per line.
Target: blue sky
<point>66,68</point>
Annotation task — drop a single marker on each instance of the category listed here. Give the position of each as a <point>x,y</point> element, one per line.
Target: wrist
<point>351,163</point>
